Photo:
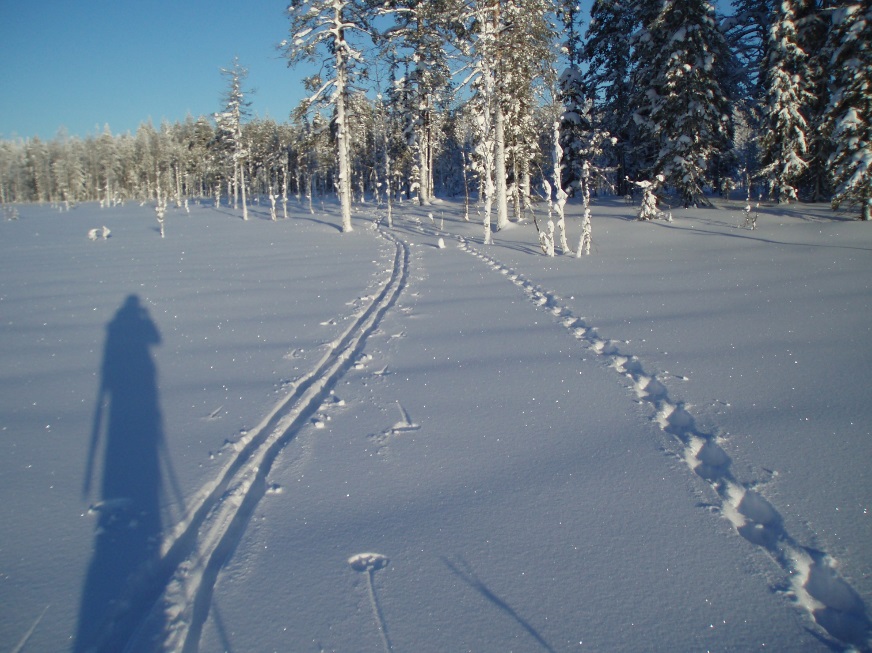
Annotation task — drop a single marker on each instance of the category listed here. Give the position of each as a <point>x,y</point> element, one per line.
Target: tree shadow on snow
<point>464,572</point>
<point>128,432</point>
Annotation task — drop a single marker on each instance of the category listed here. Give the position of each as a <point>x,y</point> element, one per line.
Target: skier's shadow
<point>133,474</point>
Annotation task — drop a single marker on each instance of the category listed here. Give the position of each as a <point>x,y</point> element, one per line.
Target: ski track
<point>179,586</point>
<point>166,607</point>
<point>812,580</point>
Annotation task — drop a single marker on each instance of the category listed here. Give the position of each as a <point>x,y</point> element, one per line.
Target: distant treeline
<point>509,98</point>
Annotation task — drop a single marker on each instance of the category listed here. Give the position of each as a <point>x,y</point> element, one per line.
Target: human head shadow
<point>127,451</point>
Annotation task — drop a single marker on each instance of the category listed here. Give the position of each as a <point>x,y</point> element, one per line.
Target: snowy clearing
<point>272,436</point>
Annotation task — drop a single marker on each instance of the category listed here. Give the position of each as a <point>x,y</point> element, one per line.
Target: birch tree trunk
<point>342,145</point>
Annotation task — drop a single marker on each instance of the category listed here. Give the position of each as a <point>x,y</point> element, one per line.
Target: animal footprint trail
<point>181,584</point>
<point>812,576</point>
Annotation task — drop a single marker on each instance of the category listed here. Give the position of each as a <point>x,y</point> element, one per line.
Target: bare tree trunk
<point>242,185</point>
<point>500,167</point>
<point>285,189</point>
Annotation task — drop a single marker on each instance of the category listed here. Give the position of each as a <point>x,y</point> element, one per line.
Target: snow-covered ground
<point>662,446</point>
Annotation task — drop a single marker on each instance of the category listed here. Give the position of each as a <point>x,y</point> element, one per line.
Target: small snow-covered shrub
<point>648,210</point>
<point>98,233</point>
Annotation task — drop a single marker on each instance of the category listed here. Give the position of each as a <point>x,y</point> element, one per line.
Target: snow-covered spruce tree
<point>591,147</point>
<point>572,93</point>
<point>648,209</point>
<point>608,80</point>
<point>784,129</point>
<point>682,110</point>
<point>229,122</point>
<point>747,32</point>
<point>813,23</point>
<point>848,119</point>
<point>319,32</point>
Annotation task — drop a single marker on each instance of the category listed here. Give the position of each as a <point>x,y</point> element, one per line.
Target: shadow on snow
<point>128,432</point>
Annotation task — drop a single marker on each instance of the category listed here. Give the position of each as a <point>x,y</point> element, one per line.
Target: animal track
<point>814,581</point>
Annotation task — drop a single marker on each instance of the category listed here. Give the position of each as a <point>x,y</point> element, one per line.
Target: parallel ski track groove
<point>812,579</point>
<point>181,582</point>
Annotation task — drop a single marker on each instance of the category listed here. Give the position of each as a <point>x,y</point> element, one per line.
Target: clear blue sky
<point>84,63</point>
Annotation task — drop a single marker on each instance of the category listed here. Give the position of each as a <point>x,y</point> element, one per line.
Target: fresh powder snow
<point>269,436</point>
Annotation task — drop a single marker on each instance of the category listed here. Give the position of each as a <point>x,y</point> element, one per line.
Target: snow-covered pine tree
<point>400,106</point>
<point>145,153</point>
<point>319,32</point>
<point>507,44</point>
<point>784,128</point>
<point>68,173</point>
<point>418,35</point>
<point>682,110</point>
<point>494,34</point>
<point>848,119</point>
<point>526,69</point>
<point>229,122</point>
<point>477,42</point>
<point>108,163</point>
<point>38,164</point>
